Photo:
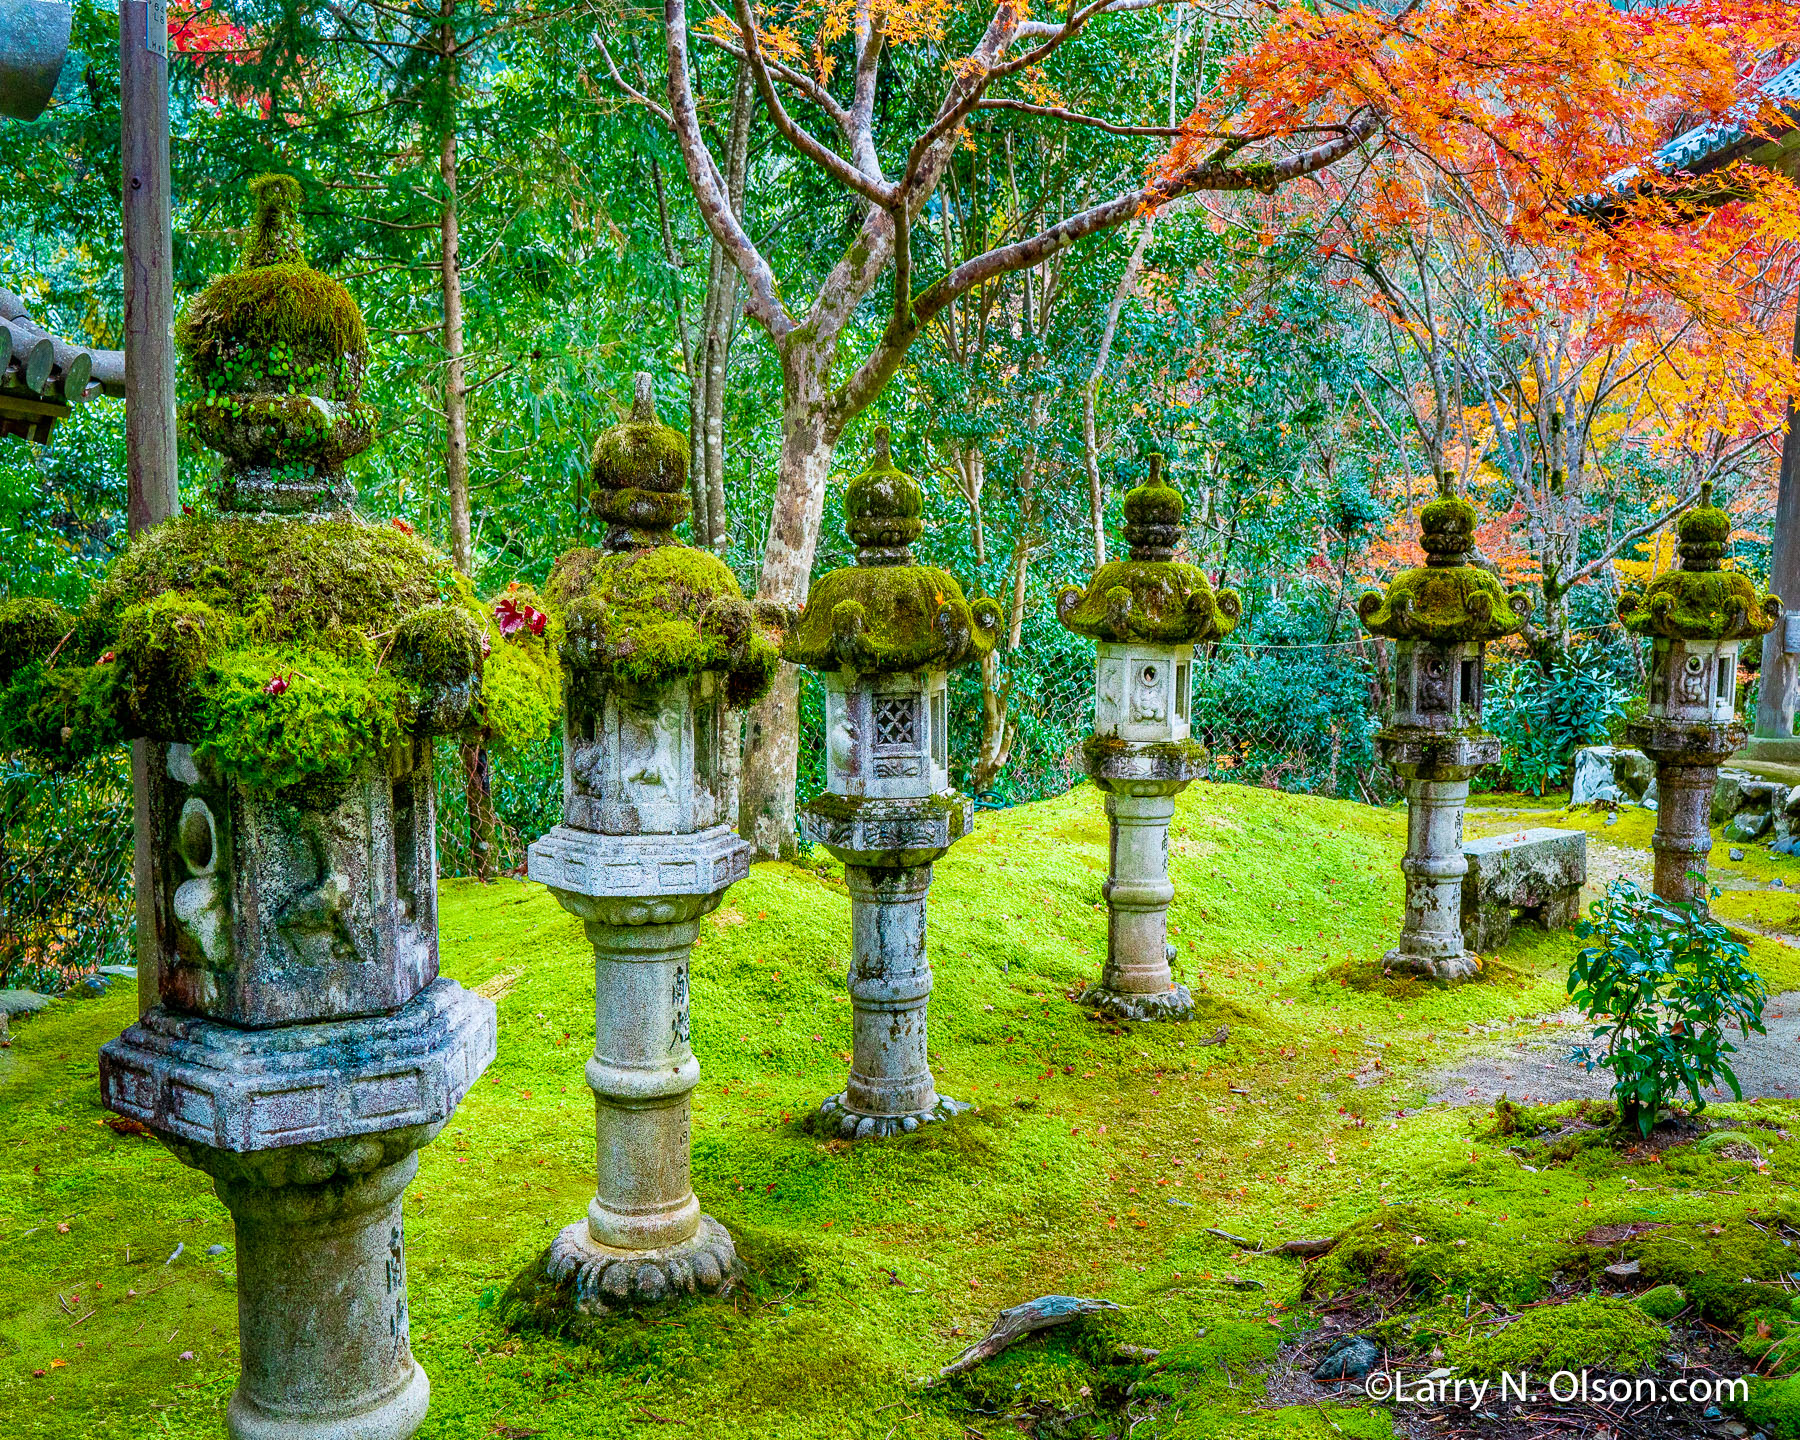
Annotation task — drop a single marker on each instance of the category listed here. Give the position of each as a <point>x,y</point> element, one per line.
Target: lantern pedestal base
<point>836,1114</point>
<point>600,1279</point>
<point>1687,755</point>
<point>1175,1003</point>
<point>1433,967</point>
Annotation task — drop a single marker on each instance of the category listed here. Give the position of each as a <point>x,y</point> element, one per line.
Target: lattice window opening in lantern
<point>1468,691</point>
<point>1183,690</point>
<point>896,724</point>
<point>1726,696</point>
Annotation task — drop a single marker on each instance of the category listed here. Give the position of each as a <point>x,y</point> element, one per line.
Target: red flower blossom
<point>277,685</point>
<point>513,617</point>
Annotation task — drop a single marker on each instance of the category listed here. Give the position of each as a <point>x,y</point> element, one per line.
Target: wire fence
<point>1292,717</point>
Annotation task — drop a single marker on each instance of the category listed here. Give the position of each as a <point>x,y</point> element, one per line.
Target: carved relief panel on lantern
<point>1694,680</point>
<point>887,735</point>
<point>1141,692</point>
<point>1438,684</point>
<point>650,762</point>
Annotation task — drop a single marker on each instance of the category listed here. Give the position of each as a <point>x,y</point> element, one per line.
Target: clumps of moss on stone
<point>323,722</point>
<point>1446,598</point>
<point>275,325</point>
<point>1593,1333</point>
<point>885,615</point>
<point>886,619</point>
<point>1425,1251</point>
<point>288,651</point>
<point>637,479</point>
<point>648,616</point>
<point>30,629</point>
<point>1699,601</point>
<point>1149,596</point>
<point>1167,759</point>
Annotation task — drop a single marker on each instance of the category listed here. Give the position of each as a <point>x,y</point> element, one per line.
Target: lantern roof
<point>887,614</point>
<point>637,479</point>
<point>1699,600</point>
<point>1446,599</point>
<point>1149,596</point>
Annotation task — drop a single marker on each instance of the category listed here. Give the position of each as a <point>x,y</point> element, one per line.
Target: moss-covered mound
<point>1728,1270</point>
<point>884,619</point>
<point>284,651</point>
<point>1425,1251</point>
<point>645,617</point>
<point>1593,1333</point>
<point>275,352</point>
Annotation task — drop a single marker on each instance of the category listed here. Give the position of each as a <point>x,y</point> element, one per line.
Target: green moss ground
<point>1099,1156</point>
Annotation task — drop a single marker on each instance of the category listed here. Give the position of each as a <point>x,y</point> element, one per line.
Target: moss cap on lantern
<point>274,355</point>
<point>1446,599</point>
<point>637,480</point>
<point>886,615</point>
<point>642,610</point>
<point>1150,597</point>
<point>284,651</point>
<point>1699,601</point>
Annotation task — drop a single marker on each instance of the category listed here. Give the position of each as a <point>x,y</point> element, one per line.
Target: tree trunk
<point>772,729</point>
<point>721,317</point>
<point>477,790</point>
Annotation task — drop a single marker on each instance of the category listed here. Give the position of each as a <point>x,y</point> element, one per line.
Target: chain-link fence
<point>1293,717</point>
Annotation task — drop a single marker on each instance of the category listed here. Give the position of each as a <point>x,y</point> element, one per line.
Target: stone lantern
<point>1696,617</point>
<point>302,1046</point>
<point>661,650</point>
<point>1145,614</point>
<point>1439,617</point>
<point>884,632</point>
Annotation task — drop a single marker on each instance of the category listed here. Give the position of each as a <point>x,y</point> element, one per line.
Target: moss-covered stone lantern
<point>1145,614</point>
<point>884,633</point>
<point>1440,617</point>
<point>288,668</point>
<point>660,652</point>
<point>1696,617</point>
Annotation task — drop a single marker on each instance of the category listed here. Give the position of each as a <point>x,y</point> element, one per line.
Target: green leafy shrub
<point>1542,721</point>
<point>1662,986</point>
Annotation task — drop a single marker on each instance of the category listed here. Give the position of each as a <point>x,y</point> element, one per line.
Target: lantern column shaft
<point>890,986</point>
<point>1138,893</point>
<point>322,1310</point>
<point>1434,867</point>
<point>1683,839</point>
<point>643,1075</point>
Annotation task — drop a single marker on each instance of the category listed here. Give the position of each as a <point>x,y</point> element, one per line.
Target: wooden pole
<point>1775,695</point>
<point>151,493</point>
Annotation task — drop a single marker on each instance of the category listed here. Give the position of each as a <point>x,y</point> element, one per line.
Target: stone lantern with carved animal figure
<point>884,633</point>
<point>1696,617</point>
<point>1440,617</point>
<point>1145,614</point>
<point>660,652</point>
<point>288,664</point>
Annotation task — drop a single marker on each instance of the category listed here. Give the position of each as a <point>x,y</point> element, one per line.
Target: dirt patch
<point>1618,1234</point>
<point>1540,1071</point>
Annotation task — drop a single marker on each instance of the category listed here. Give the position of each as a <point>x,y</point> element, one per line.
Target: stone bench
<point>1524,874</point>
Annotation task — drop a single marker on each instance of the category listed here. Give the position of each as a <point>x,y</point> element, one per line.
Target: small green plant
<point>1663,985</point>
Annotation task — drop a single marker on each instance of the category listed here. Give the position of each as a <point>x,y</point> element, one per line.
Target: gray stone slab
<point>1536,873</point>
<point>247,1090</point>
